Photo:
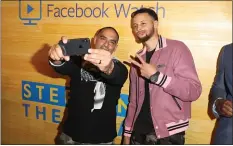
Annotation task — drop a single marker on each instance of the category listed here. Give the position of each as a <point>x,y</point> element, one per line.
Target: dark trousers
<point>67,140</point>
<point>151,139</point>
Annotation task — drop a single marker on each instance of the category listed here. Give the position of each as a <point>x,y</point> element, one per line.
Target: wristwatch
<point>154,77</point>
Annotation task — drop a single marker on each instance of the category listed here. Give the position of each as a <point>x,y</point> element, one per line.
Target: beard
<point>147,37</point>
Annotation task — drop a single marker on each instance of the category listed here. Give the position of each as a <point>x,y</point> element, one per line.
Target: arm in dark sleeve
<point>67,67</point>
<point>119,74</point>
<point>218,88</point>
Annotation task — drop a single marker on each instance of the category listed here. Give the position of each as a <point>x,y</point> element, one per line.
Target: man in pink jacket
<point>163,83</point>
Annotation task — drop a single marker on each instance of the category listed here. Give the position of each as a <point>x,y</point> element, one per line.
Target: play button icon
<point>29,8</point>
<point>30,11</point>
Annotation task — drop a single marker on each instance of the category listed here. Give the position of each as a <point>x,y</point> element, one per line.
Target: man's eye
<point>113,43</point>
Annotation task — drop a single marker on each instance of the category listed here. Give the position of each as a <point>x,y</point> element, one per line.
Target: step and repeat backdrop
<point>34,96</point>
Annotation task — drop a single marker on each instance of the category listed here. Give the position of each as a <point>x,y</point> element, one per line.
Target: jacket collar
<point>162,44</point>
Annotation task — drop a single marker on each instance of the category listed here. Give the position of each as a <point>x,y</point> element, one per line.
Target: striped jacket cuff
<point>163,80</point>
<point>128,131</point>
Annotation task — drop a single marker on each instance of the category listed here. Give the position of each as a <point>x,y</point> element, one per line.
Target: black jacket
<point>84,123</point>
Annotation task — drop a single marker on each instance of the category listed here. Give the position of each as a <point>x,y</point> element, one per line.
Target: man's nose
<point>137,28</point>
<point>106,43</point>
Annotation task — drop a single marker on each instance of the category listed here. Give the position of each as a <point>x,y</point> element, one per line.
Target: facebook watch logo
<point>30,11</point>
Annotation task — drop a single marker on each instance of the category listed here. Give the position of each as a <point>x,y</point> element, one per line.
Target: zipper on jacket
<point>174,98</point>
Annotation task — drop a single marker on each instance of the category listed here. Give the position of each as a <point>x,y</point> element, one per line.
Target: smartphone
<point>77,46</point>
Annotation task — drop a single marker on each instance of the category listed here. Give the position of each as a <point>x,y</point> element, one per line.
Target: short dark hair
<point>145,10</point>
<point>108,27</point>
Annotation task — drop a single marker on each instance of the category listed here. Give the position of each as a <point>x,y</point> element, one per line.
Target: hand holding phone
<point>78,46</point>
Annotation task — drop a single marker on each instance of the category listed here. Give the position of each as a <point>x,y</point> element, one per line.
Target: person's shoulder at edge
<point>228,46</point>
<point>116,60</point>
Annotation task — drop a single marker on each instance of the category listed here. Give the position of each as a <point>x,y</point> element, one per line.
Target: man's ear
<point>93,41</point>
<point>156,24</point>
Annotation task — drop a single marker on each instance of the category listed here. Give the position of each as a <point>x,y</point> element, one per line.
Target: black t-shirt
<point>144,123</point>
<point>89,89</point>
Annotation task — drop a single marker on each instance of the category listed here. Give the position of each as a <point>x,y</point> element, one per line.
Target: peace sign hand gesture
<point>146,69</point>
